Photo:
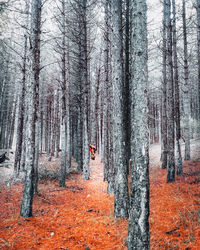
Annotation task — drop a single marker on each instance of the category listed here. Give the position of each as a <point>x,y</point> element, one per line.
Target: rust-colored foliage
<point>175,209</point>
<point>80,216</point>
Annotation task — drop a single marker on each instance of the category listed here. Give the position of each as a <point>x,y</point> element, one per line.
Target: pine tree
<point>138,232</point>
<point>121,205</point>
<point>33,92</point>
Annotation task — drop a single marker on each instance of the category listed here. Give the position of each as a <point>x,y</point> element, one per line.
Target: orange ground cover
<point>175,209</point>
<point>80,216</point>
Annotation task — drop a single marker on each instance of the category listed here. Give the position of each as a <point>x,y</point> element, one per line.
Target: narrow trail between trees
<point>80,216</point>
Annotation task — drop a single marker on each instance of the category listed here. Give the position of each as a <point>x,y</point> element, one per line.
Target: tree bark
<point>121,203</point>
<point>138,232</point>
<point>164,149</point>
<point>20,122</point>
<point>170,97</point>
<point>198,59</point>
<point>176,91</point>
<point>186,101</point>
<point>33,88</point>
<point>127,83</point>
<point>85,69</point>
<point>64,111</point>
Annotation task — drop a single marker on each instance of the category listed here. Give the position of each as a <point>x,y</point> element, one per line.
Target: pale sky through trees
<point>154,15</point>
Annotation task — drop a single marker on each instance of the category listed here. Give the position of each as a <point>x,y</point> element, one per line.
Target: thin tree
<point>170,97</point>
<point>185,87</point>
<point>63,98</point>
<point>164,150</point>
<point>176,92</point>
<point>86,81</point>
<point>21,101</point>
<point>107,112</point>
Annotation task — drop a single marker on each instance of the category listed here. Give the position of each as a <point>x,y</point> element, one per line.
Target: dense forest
<point>122,77</point>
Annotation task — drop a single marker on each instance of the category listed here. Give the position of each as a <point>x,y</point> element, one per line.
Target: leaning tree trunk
<point>138,232</point>
<point>33,85</point>
<point>121,203</point>
<point>176,91</point>
<point>186,101</point>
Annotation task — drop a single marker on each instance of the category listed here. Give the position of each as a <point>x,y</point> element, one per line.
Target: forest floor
<point>80,216</point>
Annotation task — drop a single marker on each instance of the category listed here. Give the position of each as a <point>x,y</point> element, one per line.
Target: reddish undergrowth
<point>80,216</point>
<point>175,209</point>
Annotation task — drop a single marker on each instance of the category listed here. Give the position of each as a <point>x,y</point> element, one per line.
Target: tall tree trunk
<point>85,68</point>
<point>69,141</point>
<point>64,113</point>
<point>164,149</point>
<point>57,120</point>
<point>96,106</point>
<point>36,156</point>
<point>86,169</point>
<point>63,152</point>
<point>127,83</point>
<point>12,125</point>
<point>176,91</point>
<point>186,101</point>
<point>198,58</point>
<point>5,104</point>
<point>121,203</point>
<point>106,98</point>
<point>49,131</point>
<point>53,137</point>
<point>20,122</point>
<point>170,97</point>
<point>24,140</point>
<point>110,129</point>
<point>138,232</point>
<point>33,88</point>
<point>37,136</point>
<point>78,149</point>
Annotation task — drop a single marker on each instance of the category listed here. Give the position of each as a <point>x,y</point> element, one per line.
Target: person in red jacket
<point>92,151</point>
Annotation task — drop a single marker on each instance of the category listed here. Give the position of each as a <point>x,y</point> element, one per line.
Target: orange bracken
<point>80,216</point>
